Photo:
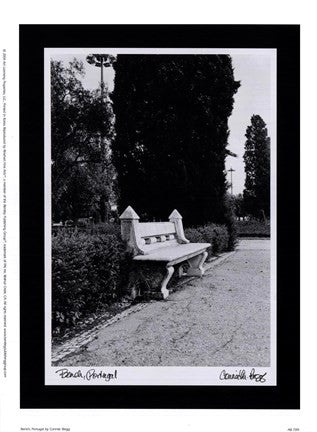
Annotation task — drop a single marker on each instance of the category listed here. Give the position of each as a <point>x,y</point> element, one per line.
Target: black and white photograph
<point>150,245</point>
<point>160,216</point>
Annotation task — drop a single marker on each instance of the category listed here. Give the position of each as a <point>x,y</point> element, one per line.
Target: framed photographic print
<point>155,245</point>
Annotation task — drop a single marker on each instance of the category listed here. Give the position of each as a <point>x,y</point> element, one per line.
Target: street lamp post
<point>101,60</point>
<point>231,170</point>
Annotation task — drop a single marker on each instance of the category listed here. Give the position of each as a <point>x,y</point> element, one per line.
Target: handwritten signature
<point>88,375</point>
<point>242,375</point>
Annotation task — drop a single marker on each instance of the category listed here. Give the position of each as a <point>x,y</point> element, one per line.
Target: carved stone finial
<point>129,213</point>
<point>175,215</point>
<point>176,218</point>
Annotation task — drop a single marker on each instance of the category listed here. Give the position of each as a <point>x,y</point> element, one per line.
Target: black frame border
<point>33,40</point>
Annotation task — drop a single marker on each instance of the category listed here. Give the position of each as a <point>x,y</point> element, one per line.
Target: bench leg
<point>180,271</point>
<point>169,274</point>
<point>152,280</point>
<point>196,265</point>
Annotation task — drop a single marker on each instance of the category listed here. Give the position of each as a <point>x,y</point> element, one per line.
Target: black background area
<point>33,40</point>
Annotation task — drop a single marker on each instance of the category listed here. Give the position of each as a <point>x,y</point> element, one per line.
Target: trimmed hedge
<point>253,228</point>
<point>89,272</point>
<point>107,229</point>
<point>217,235</point>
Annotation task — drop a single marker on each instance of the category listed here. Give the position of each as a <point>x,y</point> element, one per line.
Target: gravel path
<point>222,319</point>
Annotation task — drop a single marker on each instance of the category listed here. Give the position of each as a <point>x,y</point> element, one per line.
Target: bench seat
<point>175,254</point>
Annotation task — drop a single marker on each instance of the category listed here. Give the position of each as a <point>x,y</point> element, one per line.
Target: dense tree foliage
<point>237,204</point>
<point>257,169</point>
<point>81,130</point>
<point>171,134</point>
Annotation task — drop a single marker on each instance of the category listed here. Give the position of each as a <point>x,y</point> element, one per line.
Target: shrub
<point>253,228</point>
<point>194,235</point>
<point>217,235</point>
<point>230,222</point>
<point>232,232</point>
<point>88,272</point>
<point>107,228</point>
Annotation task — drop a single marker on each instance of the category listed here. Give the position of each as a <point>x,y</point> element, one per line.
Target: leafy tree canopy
<point>81,131</point>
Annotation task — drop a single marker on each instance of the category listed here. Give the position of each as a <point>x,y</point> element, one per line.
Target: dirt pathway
<point>220,319</point>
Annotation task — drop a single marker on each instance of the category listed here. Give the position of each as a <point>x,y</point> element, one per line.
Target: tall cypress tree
<point>171,134</point>
<point>257,168</point>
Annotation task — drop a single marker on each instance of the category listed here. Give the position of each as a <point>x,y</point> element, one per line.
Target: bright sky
<point>253,97</point>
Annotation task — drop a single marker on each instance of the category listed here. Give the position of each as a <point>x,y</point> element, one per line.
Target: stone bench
<point>160,246</point>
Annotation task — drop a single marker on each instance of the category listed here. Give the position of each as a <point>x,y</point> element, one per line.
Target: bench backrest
<point>146,237</point>
<point>154,235</point>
